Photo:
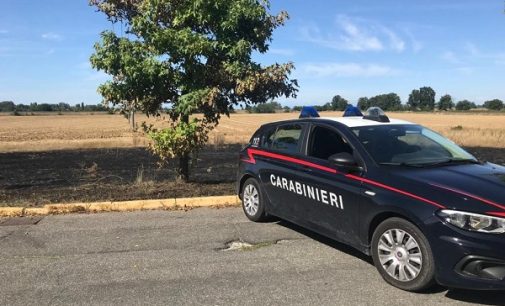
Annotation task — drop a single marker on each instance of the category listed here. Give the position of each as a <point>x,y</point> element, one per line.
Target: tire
<point>253,202</point>
<point>402,255</point>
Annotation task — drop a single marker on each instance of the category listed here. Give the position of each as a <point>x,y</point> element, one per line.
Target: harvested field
<point>76,158</point>
<point>45,133</point>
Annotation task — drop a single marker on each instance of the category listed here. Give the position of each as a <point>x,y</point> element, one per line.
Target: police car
<point>426,210</point>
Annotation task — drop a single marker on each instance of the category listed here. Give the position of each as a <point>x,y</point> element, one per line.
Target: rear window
<point>286,138</point>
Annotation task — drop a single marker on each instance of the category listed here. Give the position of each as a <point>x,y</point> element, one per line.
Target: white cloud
<point>52,36</point>
<point>450,57</point>
<point>472,49</point>
<point>416,44</point>
<point>355,34</point>
<point>347,70</point>
<point>395,42</point>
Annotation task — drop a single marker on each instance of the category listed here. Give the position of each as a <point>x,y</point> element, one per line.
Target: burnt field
<point>85,175</point>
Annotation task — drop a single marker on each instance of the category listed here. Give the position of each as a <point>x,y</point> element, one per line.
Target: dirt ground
<point>36,178</point>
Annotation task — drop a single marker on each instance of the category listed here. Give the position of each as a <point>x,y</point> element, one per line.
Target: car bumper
<point>466,259</point>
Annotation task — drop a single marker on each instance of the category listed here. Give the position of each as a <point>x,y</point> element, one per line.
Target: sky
<point>350,48</point>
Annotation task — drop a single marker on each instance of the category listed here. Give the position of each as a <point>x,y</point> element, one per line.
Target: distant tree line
<point>11,107</point>
<point>422,99</point>
<point>270,107</point>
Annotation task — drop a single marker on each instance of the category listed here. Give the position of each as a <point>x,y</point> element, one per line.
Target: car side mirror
<point>345,160</point>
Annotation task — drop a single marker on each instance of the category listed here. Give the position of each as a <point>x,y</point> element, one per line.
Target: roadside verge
<point>95,207</point>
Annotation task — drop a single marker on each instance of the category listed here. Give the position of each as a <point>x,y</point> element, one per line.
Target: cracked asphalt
<point>178,258</point>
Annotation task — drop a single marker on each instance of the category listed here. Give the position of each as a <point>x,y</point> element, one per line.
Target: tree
<point>363,103</point>
<point>445,103</point>
<point>7,106</point>
<point>465,105</point>
<point>195,57</point>
<point>388,102</point>
<point>422,99</point>
<point>414,102</point>
<point>265,108</point>
<point>494,104</point>
<point>338,103</point>
<point>426,98</point>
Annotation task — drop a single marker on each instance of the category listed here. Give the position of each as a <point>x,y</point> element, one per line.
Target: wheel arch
<point>386,214</point>
<point>244,178</point>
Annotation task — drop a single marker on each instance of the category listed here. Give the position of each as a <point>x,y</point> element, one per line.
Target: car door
<point>334,209</point>
<point>279,171</point>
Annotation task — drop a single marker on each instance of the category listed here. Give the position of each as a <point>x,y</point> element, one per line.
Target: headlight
<point>473,222</point>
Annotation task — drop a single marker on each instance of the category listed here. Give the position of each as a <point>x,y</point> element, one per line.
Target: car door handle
<point>307,168</point>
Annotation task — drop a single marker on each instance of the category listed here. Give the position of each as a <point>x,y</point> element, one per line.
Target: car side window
<point>287,137</point>
<point>324,142</point>
<point>267,138</point>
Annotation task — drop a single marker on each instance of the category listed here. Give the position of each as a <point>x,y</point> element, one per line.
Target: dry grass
<point>41,133</point>
<point>477,130</point>
<point>53,132</point>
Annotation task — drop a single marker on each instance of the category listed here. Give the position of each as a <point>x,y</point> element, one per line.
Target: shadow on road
<point>327,241</point>
<point>477,297</point>
<point>469,296</point>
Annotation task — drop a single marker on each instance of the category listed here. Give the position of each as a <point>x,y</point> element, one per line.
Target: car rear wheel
<point>403,255</point>
<point>252,201</point>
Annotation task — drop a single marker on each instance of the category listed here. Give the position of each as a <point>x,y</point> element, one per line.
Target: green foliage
<point>265,108</point>
<point>414,102</point>
<point>189,57</point>
<point>388,102</point>
<point>427,98</point>
<point>60,107</point>
<point>445,103</point>
<point>494,104</point>
<point>422,99</point>
<point>7,106</point>
<point>338,103</point>
<point>174,141</point>
<point>465,105</point>
<point>363,103</point>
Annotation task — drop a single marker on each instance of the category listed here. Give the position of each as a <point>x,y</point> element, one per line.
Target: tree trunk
<point>184,159</point>
<point>131,119</point>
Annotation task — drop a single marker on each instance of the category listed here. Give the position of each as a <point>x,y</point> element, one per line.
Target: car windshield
<point>410,145</point>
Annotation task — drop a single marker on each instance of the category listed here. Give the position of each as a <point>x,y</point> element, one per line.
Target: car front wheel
<point>403,255</point>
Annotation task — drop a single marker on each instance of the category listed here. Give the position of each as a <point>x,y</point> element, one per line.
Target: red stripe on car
<point>251,160</point>
<point>497,213</point>
<point>367,181</point>
<point>470,196</point>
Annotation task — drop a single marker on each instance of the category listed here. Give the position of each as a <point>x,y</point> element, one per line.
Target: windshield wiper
<point>452,161</point>
<point>438,163</point>
<point>402,165</point>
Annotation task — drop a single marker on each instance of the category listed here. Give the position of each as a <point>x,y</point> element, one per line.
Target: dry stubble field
<point>55,158</point>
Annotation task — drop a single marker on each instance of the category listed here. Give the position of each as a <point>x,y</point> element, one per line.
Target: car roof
<point>355,121</point>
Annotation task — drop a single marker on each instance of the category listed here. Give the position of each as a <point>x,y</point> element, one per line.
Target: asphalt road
<point>175,258</point>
